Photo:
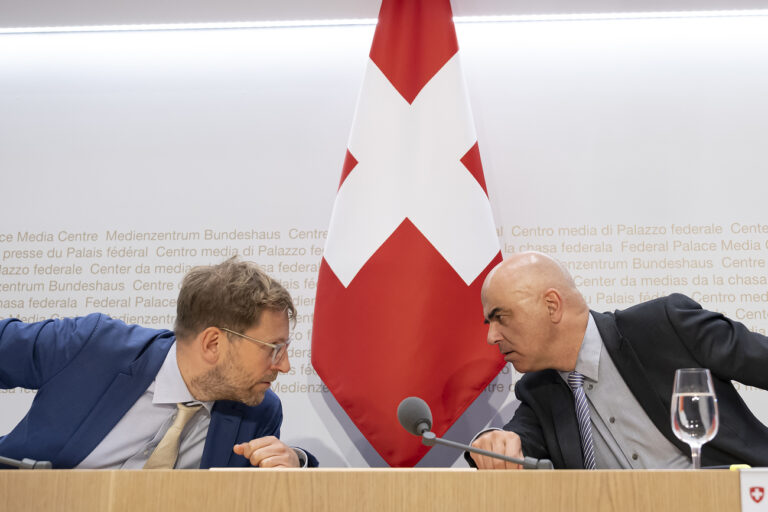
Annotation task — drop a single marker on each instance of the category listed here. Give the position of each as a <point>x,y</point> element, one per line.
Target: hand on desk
<point>501,442</point>
<point>268,452</point>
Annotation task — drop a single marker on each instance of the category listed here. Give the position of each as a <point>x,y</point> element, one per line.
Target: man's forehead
<point>493,298</point>
<point>503,293</point>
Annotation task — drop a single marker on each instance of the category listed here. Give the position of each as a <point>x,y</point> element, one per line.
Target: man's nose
<point>494,336</point>
<point>283,365</point>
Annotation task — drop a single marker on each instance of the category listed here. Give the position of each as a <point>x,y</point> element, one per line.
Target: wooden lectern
<point>368,490</point>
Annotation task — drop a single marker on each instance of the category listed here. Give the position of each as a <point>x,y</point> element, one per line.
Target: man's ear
<point>554,303</point>
<point>210,342</point>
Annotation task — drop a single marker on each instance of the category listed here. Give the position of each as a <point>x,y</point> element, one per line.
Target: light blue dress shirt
<point>133,439</point>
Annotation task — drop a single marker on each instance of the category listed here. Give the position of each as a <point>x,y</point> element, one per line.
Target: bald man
<point>627,360</point>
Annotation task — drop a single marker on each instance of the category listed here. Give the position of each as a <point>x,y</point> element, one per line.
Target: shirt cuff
<point>302,455</point>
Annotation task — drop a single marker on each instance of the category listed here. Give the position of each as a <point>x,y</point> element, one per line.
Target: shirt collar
<point>588,360</point>
<point>169,386</point>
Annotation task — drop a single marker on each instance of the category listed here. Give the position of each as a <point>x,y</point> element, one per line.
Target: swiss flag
<point>411,239</point>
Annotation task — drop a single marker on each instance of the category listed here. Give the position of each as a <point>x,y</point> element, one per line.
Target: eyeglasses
<point>278,349</point>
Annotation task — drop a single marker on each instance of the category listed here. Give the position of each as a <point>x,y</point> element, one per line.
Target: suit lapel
<point>222,436</point>
<point>122,393</point>
<point>631,370</point>
<point>566,424</point>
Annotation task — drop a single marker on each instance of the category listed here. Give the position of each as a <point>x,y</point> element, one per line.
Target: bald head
<point>537,317</point>
<point>531,273</point>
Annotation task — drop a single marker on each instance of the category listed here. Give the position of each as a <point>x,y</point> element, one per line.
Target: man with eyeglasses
<point>114,396</point>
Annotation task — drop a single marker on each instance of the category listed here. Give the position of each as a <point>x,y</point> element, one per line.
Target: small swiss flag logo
<point>757,494</point>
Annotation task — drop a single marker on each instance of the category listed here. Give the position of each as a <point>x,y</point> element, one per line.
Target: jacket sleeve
<point>525,424</point>
<point>272,428</point>
<point>726,347</point>
<point>275,431</point>
<point>258,421</point>
<point>30,354</point>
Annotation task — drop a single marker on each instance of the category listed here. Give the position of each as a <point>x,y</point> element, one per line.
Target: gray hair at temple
<point>232,294</point>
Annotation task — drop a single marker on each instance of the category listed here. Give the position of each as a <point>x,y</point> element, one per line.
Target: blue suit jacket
<point>88,372</point>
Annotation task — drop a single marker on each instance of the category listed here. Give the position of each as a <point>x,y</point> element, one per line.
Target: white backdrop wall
<point>632,150</point>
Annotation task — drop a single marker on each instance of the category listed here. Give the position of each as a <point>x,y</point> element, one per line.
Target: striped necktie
<point>576,382</point>
<point>167,450</point>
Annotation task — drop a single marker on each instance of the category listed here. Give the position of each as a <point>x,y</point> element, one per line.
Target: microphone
<point>414,415</point>
<point>26,463</point>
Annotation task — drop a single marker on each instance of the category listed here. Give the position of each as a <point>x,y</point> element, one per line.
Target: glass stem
<point>696,456</point>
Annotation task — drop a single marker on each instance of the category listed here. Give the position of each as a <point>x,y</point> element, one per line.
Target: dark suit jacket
<point>88,372</point>
<point>647,343</point>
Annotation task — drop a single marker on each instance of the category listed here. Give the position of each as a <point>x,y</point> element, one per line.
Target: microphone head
<point>414,415</point>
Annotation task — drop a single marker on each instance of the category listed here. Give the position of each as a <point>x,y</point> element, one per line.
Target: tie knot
<point>186,412</point>
<point>575,380</point>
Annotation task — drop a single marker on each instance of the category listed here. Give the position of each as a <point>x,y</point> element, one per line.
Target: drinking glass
<point>694,409</point>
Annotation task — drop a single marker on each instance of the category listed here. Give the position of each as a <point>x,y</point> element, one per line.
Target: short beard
<point>215,384</point>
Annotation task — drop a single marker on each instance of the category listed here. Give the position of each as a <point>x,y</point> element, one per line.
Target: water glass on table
<point>694,409</point>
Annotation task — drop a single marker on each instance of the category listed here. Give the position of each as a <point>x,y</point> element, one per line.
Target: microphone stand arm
<point>430,439</point>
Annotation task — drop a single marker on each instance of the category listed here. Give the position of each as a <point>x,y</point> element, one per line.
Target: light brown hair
<point>232,294</point>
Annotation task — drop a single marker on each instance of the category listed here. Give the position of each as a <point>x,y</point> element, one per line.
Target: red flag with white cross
<point>411,239</point>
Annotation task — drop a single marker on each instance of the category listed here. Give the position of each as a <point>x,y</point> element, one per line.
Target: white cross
<point>757,494</point>
<point>409,166</point>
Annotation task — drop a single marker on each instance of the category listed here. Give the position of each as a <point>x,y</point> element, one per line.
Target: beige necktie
<point>167,450</point>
